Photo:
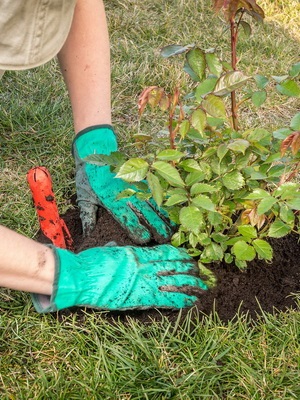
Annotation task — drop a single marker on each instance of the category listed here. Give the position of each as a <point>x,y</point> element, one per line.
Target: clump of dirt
<point>262,287</point>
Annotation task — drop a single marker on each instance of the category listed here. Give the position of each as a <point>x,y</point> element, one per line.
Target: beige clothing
<point>32,31</point>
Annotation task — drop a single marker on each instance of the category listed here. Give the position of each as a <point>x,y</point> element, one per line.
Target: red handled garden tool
<point>52,226</point>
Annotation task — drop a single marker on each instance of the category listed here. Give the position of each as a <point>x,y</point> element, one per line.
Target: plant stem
<point>233,37</point>
<point>171,132</point>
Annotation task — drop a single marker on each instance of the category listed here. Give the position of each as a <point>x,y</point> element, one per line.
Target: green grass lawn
<point>43,357</point>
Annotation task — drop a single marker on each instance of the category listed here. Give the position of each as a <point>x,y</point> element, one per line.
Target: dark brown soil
<point>262,287</point>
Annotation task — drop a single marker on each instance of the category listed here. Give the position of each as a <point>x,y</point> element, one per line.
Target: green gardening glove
<point>122,278</point>
<point>97,186</point>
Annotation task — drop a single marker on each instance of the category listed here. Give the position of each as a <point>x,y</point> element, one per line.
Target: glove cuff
<point>97,139</point>
<point>43,303</point>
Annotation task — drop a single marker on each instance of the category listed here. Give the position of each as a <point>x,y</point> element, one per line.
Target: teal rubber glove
<point>97,186</point>
<point>122,278</point>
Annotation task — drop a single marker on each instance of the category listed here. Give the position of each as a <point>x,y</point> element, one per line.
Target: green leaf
<point>279,78</point>
<point>239,145</point>
<point>260,135</point>
<point>257,175</point>
<point>240,264</point>
<point>126,193</point>
<point>194,177</point>
<point>228,258</point>
<point>220,167</point>
<point>169,173</point>
<point>156,188</point>
<point>178,239</point>
<point>243,251</point>
<point>261,81</point>
<point>289,88</point>
<point>213,252</point>
<point>214,64</point>
<point>248,231</point>
<point>242,160</point>
<point>215,122</point>
<point>174,49</point>
<point>198,188</point>
<point>176,199</point>
<point>203,201</point>
<point>170,155</point>
<point>142,137</point>
<point>210,151</point>
<point>287,190</point>
<point>258,194</point>
<point>234,240</point>
<point>222,151</point>
<point>287,215</point>
<point>190,165</point>
<point>295,122</point>
<point>276,171</point>
<point>219,237</point>
<point>198,120</point>
<point>204,239</point>
<point>259,97</point>
<point>142,186</point>
<point>275,157</point>
<point>196,60</point>
<point>191,73</point>
<point>114,159</point>
<point>294,204</point>
<point>233,180</point>
<point>173,190</point>
<point>204,88</point>
<point>191,218</point>
<point>246,28</point>
<point>215,218</point>
<point>184,128</point>
<point>263,249</point>
<point>207,276</point>
<point>214,106</point>
<point>281,133</point>
<point>279,229</point>
<point>143,196</point>
<point>265,205</point>
<point>230,81</point>
<point>193,239</point>
<point>295,70</point>
<point>133,170</point>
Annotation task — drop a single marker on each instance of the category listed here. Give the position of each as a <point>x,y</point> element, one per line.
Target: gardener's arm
<point>85,64</point>
<point>108,278</point>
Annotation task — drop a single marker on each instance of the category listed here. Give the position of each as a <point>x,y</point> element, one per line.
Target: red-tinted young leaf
<point>292,141</point>
<point>231,7</point>
<point>175,97</point>
<point>155,96</point>
<point>255,8</point>
<point>255,219</point>
<point>164,103</point>
<point>144,97</point>
<point>218,4</point>
<point>296,143</point>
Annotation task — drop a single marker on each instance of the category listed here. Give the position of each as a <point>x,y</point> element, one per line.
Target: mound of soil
<point>262,287</point>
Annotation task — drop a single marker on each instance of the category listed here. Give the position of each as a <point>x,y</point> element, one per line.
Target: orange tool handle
<point>54,227</point>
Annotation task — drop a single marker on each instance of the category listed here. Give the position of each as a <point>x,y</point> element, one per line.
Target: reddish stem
<point>233,32</point>
<point>171,132</point>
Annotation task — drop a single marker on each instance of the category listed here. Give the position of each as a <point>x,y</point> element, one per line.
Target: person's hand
<point>123,278</point>
<point>97,186</point>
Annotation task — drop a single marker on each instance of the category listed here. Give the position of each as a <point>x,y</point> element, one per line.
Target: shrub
<point>228,190</point>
